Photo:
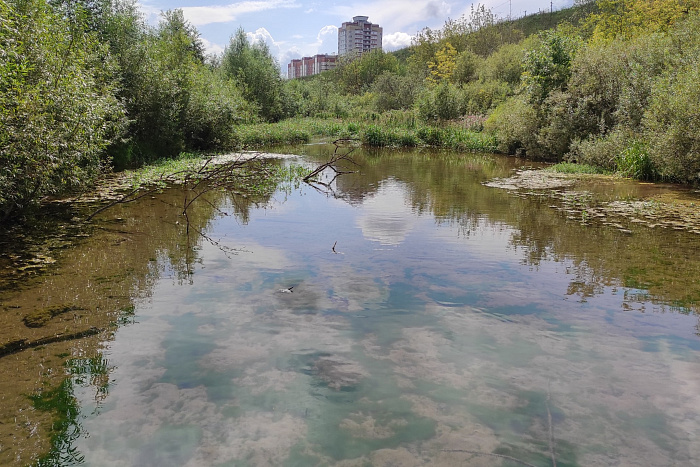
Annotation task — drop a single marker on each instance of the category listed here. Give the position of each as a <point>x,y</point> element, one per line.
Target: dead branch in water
<point>211,172</point>
<point>335,164</point>
<point>133,195</point>
<point>19,345</point>
<point>490,454</point>
<point>551,429</point>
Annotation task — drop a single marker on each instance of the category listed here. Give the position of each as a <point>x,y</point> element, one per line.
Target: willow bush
<point>58,111</point>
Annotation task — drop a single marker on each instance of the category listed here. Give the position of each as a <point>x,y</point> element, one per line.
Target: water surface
<point>408,316</point>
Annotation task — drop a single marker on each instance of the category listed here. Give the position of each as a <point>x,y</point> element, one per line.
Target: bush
<point>432,136</point>
<point>214,107</point>
<point>467,67</point>
<point>439,102</point>
<point>634,162</point>
<point>57,111</point>
<point>394,92</point>
<point>672,125</point>
<point>377,136</point>
<point>547,67</point>
<point>601,151</point>
<point>514,124</point>
<point>478,97</point>
<point>265,134</point>
<point>505,65</point>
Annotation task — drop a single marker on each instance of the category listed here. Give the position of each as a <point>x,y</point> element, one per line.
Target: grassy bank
<point>380,131</point>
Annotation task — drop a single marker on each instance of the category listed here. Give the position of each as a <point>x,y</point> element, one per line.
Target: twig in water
<point>336,242</point>
<point>490,454</point>
<point>333,162</point>
<point>551,429</point>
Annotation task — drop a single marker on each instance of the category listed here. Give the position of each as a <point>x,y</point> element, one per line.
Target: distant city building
<point>308,66</point>
<point>359,36</point>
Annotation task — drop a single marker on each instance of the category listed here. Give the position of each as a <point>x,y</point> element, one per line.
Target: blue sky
<point>296,28</point>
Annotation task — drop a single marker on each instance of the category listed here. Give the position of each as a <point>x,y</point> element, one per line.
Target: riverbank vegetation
<point>89,87</point>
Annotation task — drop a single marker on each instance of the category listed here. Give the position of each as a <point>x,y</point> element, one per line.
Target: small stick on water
<point>490,454</point>
<point>336,242</point>
<point>551,429</point>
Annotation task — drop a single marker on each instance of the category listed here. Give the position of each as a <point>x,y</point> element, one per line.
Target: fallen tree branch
<point>490,454</point>
<point>551,429</point>
<point>334,160</point>
<point>19,345</point>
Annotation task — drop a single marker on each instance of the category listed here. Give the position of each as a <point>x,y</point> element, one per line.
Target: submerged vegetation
<point>88,87</point>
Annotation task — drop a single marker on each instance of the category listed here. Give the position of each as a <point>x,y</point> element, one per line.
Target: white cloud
<point>397,15</point>
<point>396,41</point>
<point>150,12</point>
<point>212,48</point>
<point>326,43</point>
<point>287,57</point>
<point>327,40</point>
<point>263,35</point>
<point>437,9</point>
<point>386,217</point>
<point>201,15</point>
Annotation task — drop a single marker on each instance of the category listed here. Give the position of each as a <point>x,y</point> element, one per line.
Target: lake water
<point>408,315</point>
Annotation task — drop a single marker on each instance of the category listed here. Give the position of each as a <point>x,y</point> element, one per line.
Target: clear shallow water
<point>454,324</point>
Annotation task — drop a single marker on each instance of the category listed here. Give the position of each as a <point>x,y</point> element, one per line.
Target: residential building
<point>308,66</point>
<point>359,36</point>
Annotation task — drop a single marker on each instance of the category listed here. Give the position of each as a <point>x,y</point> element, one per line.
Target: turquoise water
<point>431,321</point>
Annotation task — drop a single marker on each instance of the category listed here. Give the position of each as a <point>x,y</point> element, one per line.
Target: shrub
<point>634,162</point>
<point>466,67</point>
<point>431,136</point>
<point>672,125</point>
<point>504,65</point>
<point>57,112</point>
<point>478,97</point>
<point>439,102</point>
<point>573,168</point>
<point>377,136</point>
<point>213,108</point>
<point>393,92</point>
<point>601,151</point>
<point>547,67</point>
<point>514,123</point>
<point>373,136</point>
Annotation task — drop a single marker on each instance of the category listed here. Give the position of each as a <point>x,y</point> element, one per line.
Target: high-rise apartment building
<point>308,66</point>
<point>359,36</point>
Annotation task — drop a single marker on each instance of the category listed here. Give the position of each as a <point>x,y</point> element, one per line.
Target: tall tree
<point>258,74</point>
<point>58,111</point>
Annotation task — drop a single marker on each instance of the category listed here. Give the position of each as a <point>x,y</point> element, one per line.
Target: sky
<point>297,28</point>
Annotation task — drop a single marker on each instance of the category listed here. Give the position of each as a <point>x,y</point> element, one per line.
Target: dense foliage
<point>58,110</point>
<point>87,85</point>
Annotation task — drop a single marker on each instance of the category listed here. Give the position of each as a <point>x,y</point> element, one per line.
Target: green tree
<point>357,74</point>
<point>547,67</point>
<point>505,64</point>
<point>466,67</point>
<point>672,125</point>
<point>393,92</point>
<point>257,73</point>
<point>160,77</point>
<point>440,102</point>
<point>58,111</point>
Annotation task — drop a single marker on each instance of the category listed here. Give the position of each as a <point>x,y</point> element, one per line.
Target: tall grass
<point>440,137</point>
<point>390,129</point>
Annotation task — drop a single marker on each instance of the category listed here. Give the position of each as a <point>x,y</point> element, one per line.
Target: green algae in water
<point>66,427</point>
